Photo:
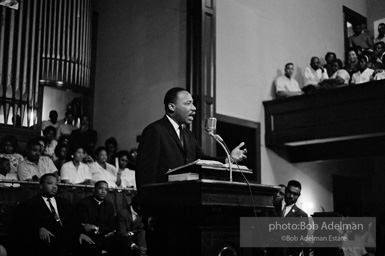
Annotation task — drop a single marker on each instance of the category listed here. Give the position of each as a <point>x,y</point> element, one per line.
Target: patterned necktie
<point>181,136</point>
<point>53,211</point>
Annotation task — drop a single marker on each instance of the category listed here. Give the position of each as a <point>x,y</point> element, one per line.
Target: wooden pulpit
<point>202,217</point>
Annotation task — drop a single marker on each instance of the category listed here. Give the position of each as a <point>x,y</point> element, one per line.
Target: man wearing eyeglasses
<point>292,193</point>
<point>289,209</point>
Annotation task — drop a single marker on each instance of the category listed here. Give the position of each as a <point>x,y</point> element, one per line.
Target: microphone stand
<point>222,143</point>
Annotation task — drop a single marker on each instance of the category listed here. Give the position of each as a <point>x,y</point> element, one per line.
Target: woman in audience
<point>61,153</point>
<point>43,143</point>
<point>101,170</point>
<point>352,64</point>
<point>339,78</point>
<point>329,57</point>
<point>50,133</point>
<point>126,175</point>
<point>74,171</point>
<point>364,74</point>
<point>8,148</point>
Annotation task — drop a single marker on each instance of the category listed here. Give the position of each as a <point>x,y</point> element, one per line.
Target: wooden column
<point>201,66</point>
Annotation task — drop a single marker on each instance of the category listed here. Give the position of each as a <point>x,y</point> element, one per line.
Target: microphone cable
<point>244,177</point>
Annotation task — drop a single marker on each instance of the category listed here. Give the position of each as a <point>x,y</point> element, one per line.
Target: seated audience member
<point>96,221</point>
<point>43,143</point>
<point>378,54</point>
<point>329,57</point>
<point>75,171</point>
<point>53,115</point>
<point>131,228</point>
<point>61,153</point>
<point>339,78</point>
<point>50,134</point>
<point>8,148</point>
<point>6,174</point>
<point>34,166</point>
<point>111,146</point>
<point>360,39</point>
<point>381,33</point>
<point>101,170</point>
<point>352,65</point>
<point>67,127</point>
<point>84,136</point>
<point>379,73</point>
<point>285,85</point>
<point>314,75</point>
<point>127,176</point>
<point>365,74</point>
<point>49,223</point>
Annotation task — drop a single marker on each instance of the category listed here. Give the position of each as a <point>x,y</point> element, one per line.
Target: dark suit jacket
<point>296,212</point>
<point>125,224</point>
<point>38,215</point>
<point>160,150</point>
<point>88,212</point>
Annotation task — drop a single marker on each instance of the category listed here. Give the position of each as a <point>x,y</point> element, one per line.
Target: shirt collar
<point>174,124</point>
<point>99,202</point>
<point>133,211</point>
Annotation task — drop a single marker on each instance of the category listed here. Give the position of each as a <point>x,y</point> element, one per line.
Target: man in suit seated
<point>131,228</point>
<point>95,218</point>
<point>48,221</point>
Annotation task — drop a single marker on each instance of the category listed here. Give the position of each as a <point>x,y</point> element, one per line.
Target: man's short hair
<point>171,96</point>
<point>287,64</point>
<point>99,182</point>
<point>294,183</point>
<point>42,178</point>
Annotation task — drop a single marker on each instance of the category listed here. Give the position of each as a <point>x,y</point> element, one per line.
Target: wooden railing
<point>350,114</point>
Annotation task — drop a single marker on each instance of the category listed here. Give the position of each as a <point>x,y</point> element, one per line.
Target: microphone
<point>210,127</point>
<point>211,124</point>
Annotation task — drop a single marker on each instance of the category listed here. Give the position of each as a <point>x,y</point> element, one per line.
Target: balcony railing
<point>350,119</point>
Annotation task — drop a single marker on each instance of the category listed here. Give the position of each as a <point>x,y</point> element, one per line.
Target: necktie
<point>53,211</point>
<point>181,136</point>
<point>283,211</point>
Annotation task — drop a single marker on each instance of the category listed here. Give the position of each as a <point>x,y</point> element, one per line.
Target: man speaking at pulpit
<point>167,143</point>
